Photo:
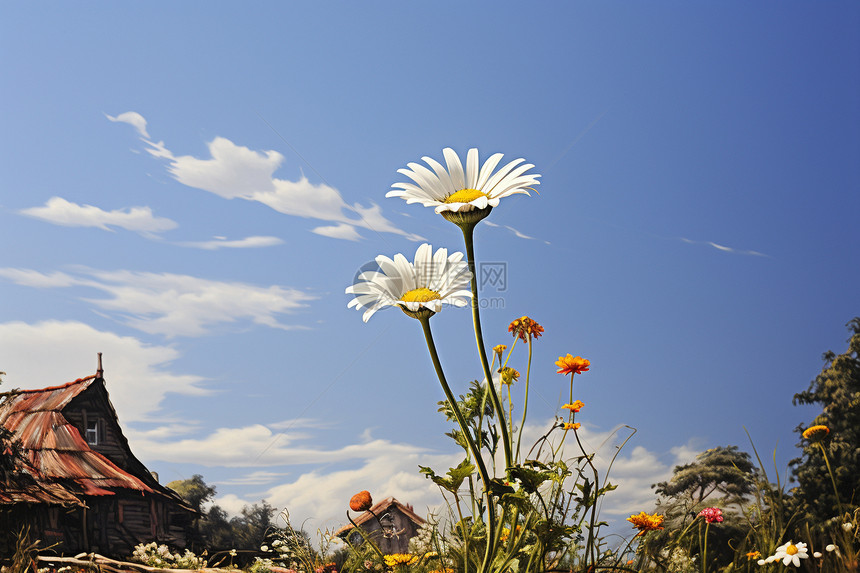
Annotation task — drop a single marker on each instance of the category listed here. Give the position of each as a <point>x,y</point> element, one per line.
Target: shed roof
<point>378,509</point>
<point>56,455</point>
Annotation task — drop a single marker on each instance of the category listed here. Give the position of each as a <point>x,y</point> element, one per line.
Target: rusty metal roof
<point>56,455</point>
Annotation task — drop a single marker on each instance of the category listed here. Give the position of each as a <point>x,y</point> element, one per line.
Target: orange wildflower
<point>525,328</point>
<point>499,348</point>
<point>575,407</point>
<point>572,364</point>
<point>361,501</point>
<point>569,426</point>
<point>815,433</point>
<point>645,523</point>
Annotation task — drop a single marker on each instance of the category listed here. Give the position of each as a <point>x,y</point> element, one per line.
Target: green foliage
<point>248,531</point>
<point>837,391</point>
<point>724,472</point>
<point>195,491</point>
<point>720,477</point>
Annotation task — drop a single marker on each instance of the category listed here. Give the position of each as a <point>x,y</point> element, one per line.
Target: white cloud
<point>62,212</point>
<point>258,446</point>
<point>516,233</point>
<point>724,248</point>
<point>52,352</point>
<point>320,494</point>
<point>171,304</point>
<point>132,118</point>
<point>235,171</point>
<point>255,478</point>
<point>339,231</point>
<point>254,242</point>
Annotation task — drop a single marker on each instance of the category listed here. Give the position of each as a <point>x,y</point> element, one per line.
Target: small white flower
<point>791,553</point>
<point>423,286</point>
<point>459,191</point>
<point>817,554</point>
<point>761,561</point>
<point>830,547</point>
<point>847,526</point>
<point>264,548</point>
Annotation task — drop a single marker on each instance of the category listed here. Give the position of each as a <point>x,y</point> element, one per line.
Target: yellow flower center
<point>791,550</point>
<point>422,294</point>
<point>464,196</point>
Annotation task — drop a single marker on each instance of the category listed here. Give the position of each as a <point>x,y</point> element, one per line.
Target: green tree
<point>196,492</point>
<point>837,391</point>
<point>720,477</point>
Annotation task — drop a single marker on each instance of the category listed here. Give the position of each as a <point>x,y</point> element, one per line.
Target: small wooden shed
<point>79,486</point>
<point>389,523</point>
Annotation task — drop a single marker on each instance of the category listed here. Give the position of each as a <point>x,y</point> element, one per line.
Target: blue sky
<point>182,184</point>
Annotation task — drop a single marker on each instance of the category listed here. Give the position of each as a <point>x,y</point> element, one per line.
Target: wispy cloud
<point>170,304</point>
<point>254,242</point>
<point>339,231</point>
<point>59,211</point>
<point>132,118</point>
<point>137,374</point>
<point>517,233</point>
<point>258,446</point>
<point>724,248</point>
<point>237,172</point>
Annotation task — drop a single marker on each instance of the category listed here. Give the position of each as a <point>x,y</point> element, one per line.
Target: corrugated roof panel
<point>56,451</point>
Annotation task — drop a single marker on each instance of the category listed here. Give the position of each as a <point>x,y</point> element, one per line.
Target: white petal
<point>441,173</point>
<point>455,168</point>
<point>487,170</point>
<point>472,169</point>
<point>499,175</point>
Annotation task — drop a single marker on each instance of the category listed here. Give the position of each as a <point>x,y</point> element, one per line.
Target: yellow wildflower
<point>645,523</point>
<point>569,426</point>
<point>396,559</point>
<point>816,433</point>
<point>575,407</point>
<point>509,375</point>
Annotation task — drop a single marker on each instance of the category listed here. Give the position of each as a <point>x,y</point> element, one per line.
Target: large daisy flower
<point>790,553</point>
<point>419,288</point>
<point>454,190</point>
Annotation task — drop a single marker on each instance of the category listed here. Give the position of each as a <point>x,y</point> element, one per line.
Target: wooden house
<point>389,524</point>
<point>78,485</point>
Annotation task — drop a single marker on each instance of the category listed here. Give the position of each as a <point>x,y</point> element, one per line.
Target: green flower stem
<point>590,549</point>
<point>468,236</point>
<point>364,535</point>
<point>476,452</point>
<point>703,541</point>
<point>832,479</point>
<point>525,400</point>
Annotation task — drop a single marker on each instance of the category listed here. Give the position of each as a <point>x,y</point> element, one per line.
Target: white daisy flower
<point>454,190</point>
<point>791,553</point>
<point>419,288</point>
